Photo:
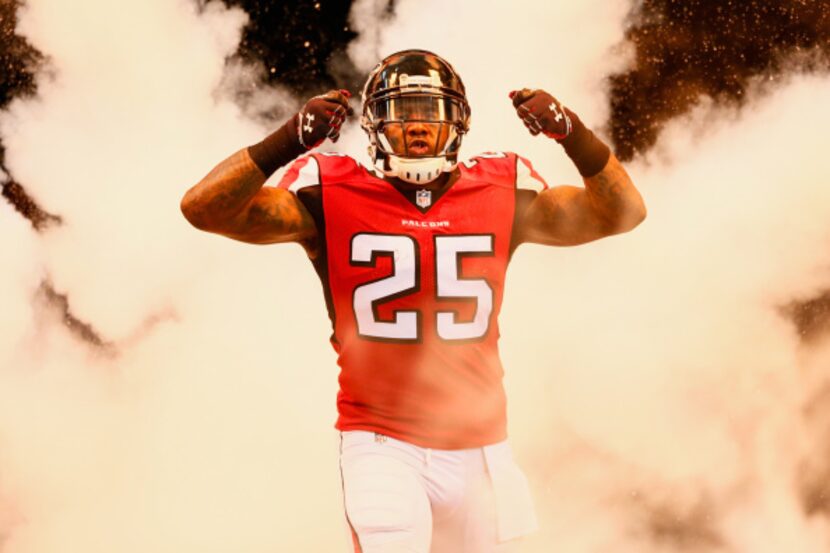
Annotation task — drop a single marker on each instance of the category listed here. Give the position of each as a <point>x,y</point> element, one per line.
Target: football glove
<point>542,113</point>
<point>321,118</point>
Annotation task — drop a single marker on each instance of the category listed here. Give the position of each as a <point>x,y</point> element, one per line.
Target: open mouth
<point>419,147</point>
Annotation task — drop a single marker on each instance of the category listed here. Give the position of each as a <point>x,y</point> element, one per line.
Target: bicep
<point>561,216</point>
<point>274,215</point>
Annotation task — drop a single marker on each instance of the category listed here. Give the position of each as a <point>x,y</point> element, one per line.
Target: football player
<point>412,253</point>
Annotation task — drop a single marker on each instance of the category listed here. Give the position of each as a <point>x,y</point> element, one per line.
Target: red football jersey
<point>414,290</point>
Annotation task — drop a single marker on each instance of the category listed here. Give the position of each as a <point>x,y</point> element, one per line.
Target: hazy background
<point>164,390</point>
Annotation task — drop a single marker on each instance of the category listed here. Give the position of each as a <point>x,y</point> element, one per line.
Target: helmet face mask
<point>415,112</point>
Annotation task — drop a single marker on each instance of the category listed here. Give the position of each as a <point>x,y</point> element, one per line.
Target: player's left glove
<point>542,113</point>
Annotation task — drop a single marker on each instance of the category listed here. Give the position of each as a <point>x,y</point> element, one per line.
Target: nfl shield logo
<point>423,198</point>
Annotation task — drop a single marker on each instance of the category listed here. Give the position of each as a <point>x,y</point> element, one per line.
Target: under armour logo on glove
<point>542,113</point>
<point>309,118</point>
<point>322,117</point>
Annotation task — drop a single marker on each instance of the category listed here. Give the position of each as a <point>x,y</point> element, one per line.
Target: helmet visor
<point>418,107</point>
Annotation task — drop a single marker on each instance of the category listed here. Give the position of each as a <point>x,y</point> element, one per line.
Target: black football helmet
<point>415,112</point>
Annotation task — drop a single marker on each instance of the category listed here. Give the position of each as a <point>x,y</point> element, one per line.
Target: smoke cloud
<point>659,398</point>
<point>174,436</point>
<point>726,52</point>
<point>676,374</point>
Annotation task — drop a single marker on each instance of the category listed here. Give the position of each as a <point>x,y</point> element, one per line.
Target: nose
<point>416,130</point>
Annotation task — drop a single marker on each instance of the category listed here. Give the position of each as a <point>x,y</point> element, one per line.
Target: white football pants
<point>401,498</point>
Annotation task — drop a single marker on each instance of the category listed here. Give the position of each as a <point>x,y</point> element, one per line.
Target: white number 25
<point>405,279</point>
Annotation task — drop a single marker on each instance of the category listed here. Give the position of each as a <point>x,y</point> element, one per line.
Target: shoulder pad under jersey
<point>508,168</point>
<point>316,168</point>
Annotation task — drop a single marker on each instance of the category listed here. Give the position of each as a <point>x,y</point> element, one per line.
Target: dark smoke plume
<point>725,51</point>
<point>689,49</point>
<point>19,61</point>
<point>811,317</point>
<point>679,529</point>
<point>26,206</point>
<point>84,331</point>
<point>299,43</point>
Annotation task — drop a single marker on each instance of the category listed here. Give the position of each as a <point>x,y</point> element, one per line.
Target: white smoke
<point>192,435</point>
<point>651,379</point>
<point>667,359</point>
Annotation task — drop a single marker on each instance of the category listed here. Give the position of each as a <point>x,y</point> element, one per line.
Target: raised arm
<point>570,215</point>
<point>231,200</point>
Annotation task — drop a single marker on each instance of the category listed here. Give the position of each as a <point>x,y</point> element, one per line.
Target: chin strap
<point>418,171</point>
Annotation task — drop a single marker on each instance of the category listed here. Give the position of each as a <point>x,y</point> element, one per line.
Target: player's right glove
<point>320,118</point>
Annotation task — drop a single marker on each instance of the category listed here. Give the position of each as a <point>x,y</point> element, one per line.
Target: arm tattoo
<point>289,218</point>
<point>226,190</point>
<point>231,201</point>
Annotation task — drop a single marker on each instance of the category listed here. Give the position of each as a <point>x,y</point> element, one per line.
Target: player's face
<point>417,124</point>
